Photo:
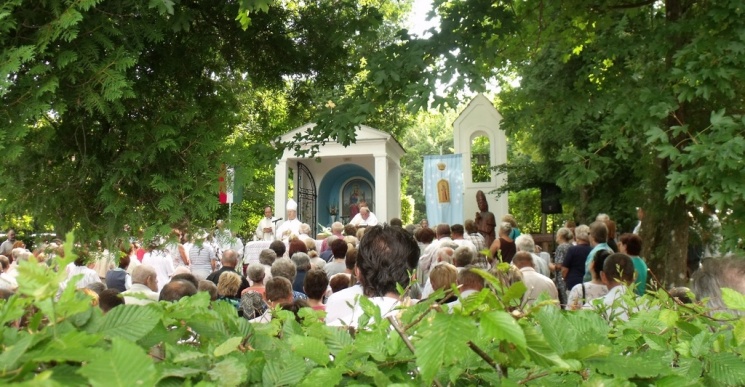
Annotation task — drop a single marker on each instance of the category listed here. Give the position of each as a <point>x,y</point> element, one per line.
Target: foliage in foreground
<point>66,342</point>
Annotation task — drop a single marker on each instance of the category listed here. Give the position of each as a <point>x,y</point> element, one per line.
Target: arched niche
<point>480,158</point>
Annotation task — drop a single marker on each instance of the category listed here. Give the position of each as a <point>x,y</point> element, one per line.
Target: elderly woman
<point>573,267</point>
<point>227,288</point>
<point>564,239</point>
<point>302,263</point>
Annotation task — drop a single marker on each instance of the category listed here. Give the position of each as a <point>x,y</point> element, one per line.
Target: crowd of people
<point>591,268</point>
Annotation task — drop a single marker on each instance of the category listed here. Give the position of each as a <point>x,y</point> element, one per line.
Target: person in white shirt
<point>79,267</point>
<point>265,228</point>
<point>535,282</point>
<point>292,224</point>
<point>617,274</point>
<point>385,258</point>
<point>144,287</point>
<point>364,219</point>
<point>162,263</point>
<point>458,235</point>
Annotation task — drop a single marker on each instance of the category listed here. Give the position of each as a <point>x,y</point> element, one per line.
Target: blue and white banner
<point>443,189</point>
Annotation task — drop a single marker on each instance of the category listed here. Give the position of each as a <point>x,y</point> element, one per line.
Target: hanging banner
<point>443,189</point>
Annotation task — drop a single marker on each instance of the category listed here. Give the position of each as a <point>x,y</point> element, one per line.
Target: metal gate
<point>306,198</point>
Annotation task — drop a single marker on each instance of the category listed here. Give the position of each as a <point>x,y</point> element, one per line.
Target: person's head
<point>229,258</point>
<point>350,261</point>
<point>310,246</point>
<point>718,273</point>
<point>522,259</point>
<point>596,266</point>
<point>124,262</point>
<point>301,261</point>
<point>305,228</point>
<point>268,256</point>
<point>364,213</point>
<point>315,284</point>
<point>228,284</point>
<point>350,229</point>
<point>463,256</point>
<point>630,244</point>
<point>291,210</point>
<point>525,243</point>
<point>268,212</point>
<point>209,287</point>
<point>337,227</point>
<point>256,273</point>
<point>338,248</point>
<point>176,290</point>
<point>470,226</point>
<point>457,231</point>
<point>598,232</point>
<point>385,258</point>
<point>481,201</point>
<point>11,235</point>
<point>188,277</point>
<point>468,279</point>
<point>510,219</point>
<point>505,229</point>
<point>340,282</point>
<point>396,222</point>
<point>4,263</point>
<point>445,254</point>
<point>425,235</point>
<point>611,225</point>
<point>618,269</point>
<point>145,275</point>
<point>442,276</point>
<point>278,291</point>
<point>564,235</point>
<point>424,223</point>
<point>97,287</point>
<point>297,246</point>
<point>283,267</point>
<point>279,248</point>
<point>582,234</point>
<point>602,217</point>
<point>110,298</point>
<point>443,230</point>
<point>639,213</point>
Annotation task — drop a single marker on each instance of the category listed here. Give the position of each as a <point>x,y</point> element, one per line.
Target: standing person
<point>598,241</point>
<point>7,247</point>
<point>265,228</point>
<point>582,294</point>
<point>177,250</point>
<point>386,257</point>
<point>640,216</point>
<point>564,239</point>
<point>504,244</point>
<point>515,232</point>
<point>291,226</point>
<point>573,267</point>
<point>631,245</point>
<point>118,278</point>
<point>203,260</point>
<point>485,220</point>
<point>161,261</point>
<point>535,282</point>
<point>472,234</point>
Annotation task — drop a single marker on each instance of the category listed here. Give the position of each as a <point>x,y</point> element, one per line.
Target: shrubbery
<point>488,342</point>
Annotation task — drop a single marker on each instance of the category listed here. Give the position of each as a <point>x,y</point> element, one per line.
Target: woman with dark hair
<point>583,293</point>
<point>315,285</point>
<point>631,245</point>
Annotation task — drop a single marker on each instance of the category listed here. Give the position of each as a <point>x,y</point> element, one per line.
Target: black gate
<point>306,198</point>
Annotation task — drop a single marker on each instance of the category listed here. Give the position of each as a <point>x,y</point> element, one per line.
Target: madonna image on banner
<point>354,192</point>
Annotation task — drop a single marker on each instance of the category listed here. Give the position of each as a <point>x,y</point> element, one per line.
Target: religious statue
<point>443,191</point>
<point>485,220</point>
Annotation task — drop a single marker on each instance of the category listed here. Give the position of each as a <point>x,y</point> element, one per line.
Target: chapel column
<point>280,189</point>
<point>381,188</point>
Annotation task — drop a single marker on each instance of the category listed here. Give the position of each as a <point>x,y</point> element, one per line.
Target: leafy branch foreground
<point>68,342</point>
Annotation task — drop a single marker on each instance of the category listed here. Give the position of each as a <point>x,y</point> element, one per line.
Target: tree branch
<point>486,357</point>
<point>406,340</point>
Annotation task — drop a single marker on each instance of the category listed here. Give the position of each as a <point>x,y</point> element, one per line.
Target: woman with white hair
<point>504,244</point>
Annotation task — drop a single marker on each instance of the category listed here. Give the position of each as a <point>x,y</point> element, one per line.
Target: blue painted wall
<point>330,186</point>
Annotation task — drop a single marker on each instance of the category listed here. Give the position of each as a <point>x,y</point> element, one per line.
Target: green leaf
<point>12,353</point>
<point>733,299</point>
<point>131,322</point>
<point>228,372</point>
<point>502,326</point>
<point>540,352</point>
<point>287,370</point>
<point>311,348</point>
<point>322,377</point>
<point>726,368</point>
<point>443,342</point>
<point>125,364</point>
<point>228,346</point>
